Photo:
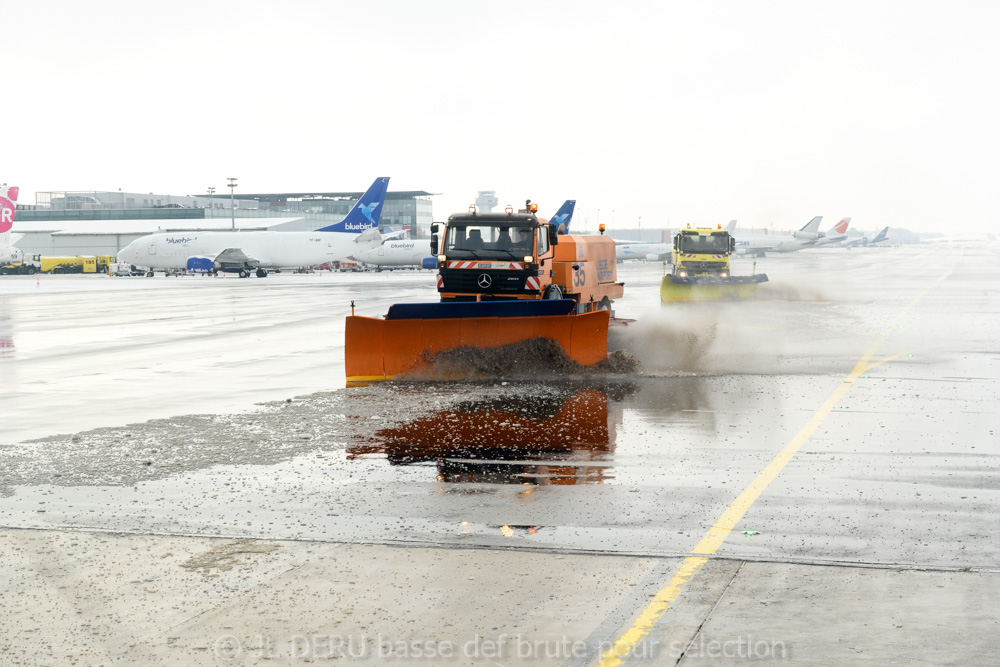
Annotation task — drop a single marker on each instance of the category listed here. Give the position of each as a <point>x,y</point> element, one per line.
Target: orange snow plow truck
<point>502,278</point>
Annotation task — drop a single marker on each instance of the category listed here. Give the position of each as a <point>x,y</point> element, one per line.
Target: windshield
<point>488,241</point>
<point>704,243</point>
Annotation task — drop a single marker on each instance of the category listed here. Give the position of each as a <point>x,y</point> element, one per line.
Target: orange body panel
<point>596,273</point>
<point>376,349</point>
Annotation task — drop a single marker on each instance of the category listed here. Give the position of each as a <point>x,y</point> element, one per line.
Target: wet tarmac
<point>864,379</point>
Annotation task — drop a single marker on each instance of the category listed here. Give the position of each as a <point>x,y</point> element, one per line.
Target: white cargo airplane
<point>242,252</point>
<point>417,252</point>
<point>8,206</point>
<point>759,244</point>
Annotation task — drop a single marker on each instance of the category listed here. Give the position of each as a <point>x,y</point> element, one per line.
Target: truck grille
<point>704,266</point>
<point>500,282</point>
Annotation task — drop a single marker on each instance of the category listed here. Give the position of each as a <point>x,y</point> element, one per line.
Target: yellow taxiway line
<point>629,640</point>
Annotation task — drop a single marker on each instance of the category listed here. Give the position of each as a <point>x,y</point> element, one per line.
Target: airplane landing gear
<point>262,273</point>
<point>244,273</point>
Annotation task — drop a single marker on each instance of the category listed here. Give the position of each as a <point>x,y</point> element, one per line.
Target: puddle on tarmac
<point>567,437</point>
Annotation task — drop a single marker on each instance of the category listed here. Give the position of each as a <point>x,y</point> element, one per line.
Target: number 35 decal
<point>579,277</point>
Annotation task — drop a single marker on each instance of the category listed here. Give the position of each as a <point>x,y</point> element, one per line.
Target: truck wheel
<point>149,274</point>
<point>31,270</point>
<point>605,304</point>
<point>553,292</point>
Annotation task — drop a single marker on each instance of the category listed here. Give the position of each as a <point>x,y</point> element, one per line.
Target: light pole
<point>232,205</point>
<point>211,192</point>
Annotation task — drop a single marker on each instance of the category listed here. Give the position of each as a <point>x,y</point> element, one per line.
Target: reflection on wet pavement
<point>564,439</point>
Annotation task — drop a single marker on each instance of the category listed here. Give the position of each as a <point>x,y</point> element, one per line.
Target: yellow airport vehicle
<point>26,266</point>
<point>42,264</point>
<point>701,268</point>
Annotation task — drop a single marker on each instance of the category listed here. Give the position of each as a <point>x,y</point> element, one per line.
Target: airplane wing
<point>369,238</point>
<point>233,257</point>
<point>14,238</point>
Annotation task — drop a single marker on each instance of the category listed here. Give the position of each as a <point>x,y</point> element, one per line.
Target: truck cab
<point>507,256</point>
<point>702,252</point>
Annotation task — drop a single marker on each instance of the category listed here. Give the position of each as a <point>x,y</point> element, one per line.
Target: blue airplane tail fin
<point>563,216</point>
<point>881,236</point>
<point>366,212</point>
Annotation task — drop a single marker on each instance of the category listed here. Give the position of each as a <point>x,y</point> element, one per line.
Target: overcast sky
<point>686,112</point>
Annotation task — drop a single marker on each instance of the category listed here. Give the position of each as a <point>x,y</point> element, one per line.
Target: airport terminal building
<point>103,222</point>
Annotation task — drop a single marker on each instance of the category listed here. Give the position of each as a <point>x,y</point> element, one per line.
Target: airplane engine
<point>429,262</point>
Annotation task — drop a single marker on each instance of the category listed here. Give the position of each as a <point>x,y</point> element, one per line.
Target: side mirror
<point>553,235</point>
<point>435,227</point>
<point>434,242</point>
<point>732,244</point>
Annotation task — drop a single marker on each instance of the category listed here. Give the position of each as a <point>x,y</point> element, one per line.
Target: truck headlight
<point>723,275</point>
<point>528,259</point>
<point>441,258</point>
<point>682,274</point>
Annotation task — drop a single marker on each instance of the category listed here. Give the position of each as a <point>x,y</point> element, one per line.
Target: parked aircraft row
<point>759,244</point>
<point>357,237</point>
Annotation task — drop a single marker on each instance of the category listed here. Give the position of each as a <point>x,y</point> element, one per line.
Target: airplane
<point>563,216</point>
<point>810,231</point>
<point>8,207</point>
<point>835,235</point>
<point>391,233</point>
<point>242,252</point>
<point>647,251</point>
<point>759,244</point>
<point>880,237</point>
<point>417,252</point>
<point>864,240</point>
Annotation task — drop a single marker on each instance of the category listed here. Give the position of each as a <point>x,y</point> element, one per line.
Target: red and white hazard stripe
<point>514,266</point>
<point>440,281</point>
<point>532,283</point>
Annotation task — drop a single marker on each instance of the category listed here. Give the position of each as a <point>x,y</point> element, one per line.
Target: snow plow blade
<point>379,349</point>
<point>709,288</point>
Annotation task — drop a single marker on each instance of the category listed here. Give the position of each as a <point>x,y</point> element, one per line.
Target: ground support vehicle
<point>701,268</point>
<point>126,269</point>
<point>78,264</point>
<point>23,267</point>
<point>502,278</point>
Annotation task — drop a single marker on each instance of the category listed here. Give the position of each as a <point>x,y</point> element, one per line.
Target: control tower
<point>486,200</point>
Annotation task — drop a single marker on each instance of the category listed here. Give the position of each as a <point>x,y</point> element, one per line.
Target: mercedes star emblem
<point>485,280</point>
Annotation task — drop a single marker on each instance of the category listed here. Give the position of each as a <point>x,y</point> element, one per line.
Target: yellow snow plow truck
<point>701,268</point>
